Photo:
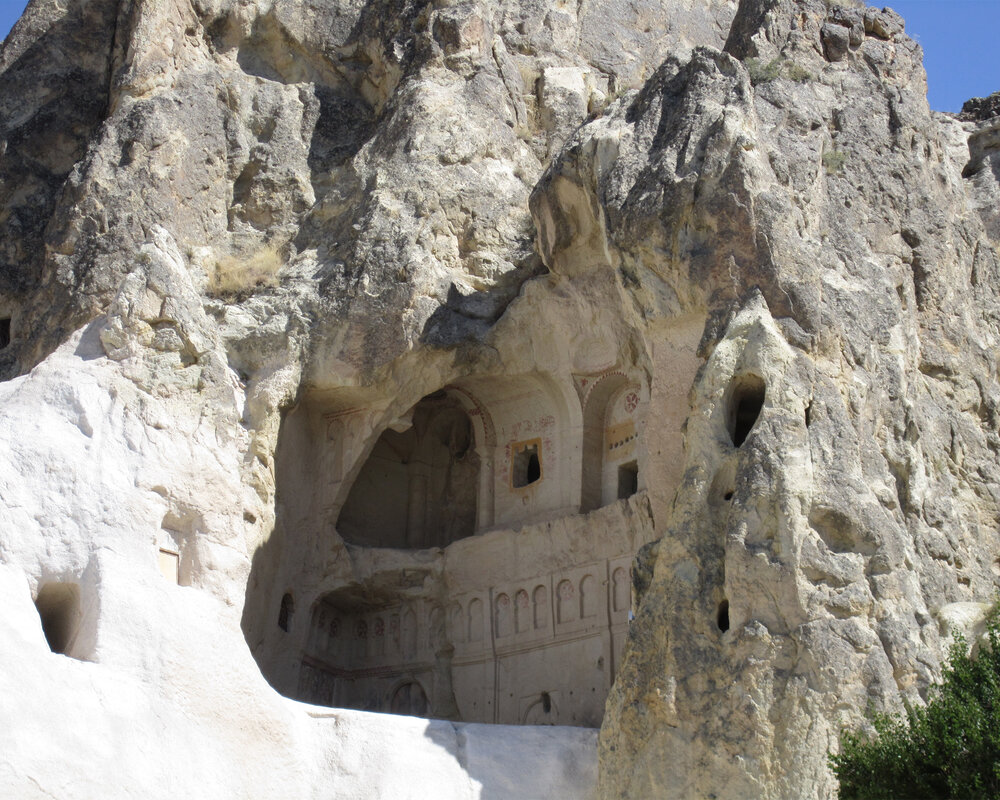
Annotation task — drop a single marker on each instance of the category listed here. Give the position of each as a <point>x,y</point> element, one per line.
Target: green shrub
<point>775,68</point>
<point>761,72</point>
<point>797,72</point>
<point>949,748</point>
<point>833,161</point>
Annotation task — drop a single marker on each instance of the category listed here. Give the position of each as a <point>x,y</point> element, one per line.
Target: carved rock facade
<point>401,352</point>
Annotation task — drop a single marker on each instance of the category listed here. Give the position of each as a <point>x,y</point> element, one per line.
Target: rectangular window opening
<point>628,480</point>
<point>526,464</point>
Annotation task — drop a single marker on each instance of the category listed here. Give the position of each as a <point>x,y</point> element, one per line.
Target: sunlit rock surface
<point>533,368</point>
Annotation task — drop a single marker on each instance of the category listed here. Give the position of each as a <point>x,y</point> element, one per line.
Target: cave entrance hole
<point>746,400</point>
<point>419,486</point>
<point>722,617</point>
<point>58,607</point>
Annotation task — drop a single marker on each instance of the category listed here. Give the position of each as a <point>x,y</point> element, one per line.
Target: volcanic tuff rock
<point>749,211</point>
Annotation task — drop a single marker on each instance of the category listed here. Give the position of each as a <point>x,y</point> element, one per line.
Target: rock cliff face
<point>394,333</point>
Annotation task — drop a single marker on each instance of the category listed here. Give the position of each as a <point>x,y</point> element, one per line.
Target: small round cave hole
<point>722,618</point>
<point>745,403</point>
<point>58,607</point>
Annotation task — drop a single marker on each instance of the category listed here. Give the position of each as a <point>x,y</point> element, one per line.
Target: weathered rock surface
<point>982,172</point>
<point>750,214</point>
<point>820,220</point>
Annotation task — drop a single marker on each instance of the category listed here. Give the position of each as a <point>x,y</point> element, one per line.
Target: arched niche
<point>535,456</point>
<point>484,432</point>
<point>419,486</point>
<point>409,699</point>
<point>285,612</point>
<point>612,424</point>
<point>364,644</point>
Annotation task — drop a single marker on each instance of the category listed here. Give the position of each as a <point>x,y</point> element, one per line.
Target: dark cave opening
<point>745,404</point>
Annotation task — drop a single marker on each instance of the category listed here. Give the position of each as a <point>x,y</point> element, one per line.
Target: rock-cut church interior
<point>468,560</point>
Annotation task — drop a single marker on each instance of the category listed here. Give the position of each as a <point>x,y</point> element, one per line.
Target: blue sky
<point>959,38</point>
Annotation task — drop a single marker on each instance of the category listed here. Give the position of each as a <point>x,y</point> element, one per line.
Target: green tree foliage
<point>949,748</point>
